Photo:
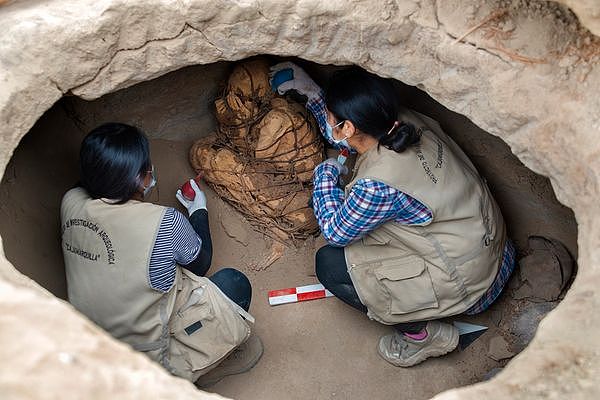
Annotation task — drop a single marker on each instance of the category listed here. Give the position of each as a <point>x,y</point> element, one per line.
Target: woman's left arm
<point>344,220</point>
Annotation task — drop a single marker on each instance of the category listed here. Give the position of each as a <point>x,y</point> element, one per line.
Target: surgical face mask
<point>148,188</point>
<point>329,136</point>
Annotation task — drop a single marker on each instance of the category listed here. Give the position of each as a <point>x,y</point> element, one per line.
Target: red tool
<point>187,191</point>
<point>344,153</point>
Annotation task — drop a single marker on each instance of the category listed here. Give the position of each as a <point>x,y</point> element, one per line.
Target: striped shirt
<point>370,204</point>
<point>176,243</point>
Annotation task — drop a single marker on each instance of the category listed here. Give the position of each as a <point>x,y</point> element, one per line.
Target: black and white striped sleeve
<point>176,243</point>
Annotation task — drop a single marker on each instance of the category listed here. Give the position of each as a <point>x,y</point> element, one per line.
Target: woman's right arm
<point>176,243</point>
<point>199,222</point>
<point>303,84</point>
<point>316,106</point>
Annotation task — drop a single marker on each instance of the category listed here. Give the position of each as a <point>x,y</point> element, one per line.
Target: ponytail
<point>401,136</point>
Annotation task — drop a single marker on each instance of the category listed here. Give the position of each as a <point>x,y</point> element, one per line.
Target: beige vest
<point>107,249</point>
<point>406,273</point>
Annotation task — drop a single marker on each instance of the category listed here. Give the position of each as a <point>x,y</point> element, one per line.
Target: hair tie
<point>396,123</point>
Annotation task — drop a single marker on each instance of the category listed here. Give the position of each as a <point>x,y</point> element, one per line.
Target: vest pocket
<point>376,238</point>
<point>204,328</point>
<point>408,285</point>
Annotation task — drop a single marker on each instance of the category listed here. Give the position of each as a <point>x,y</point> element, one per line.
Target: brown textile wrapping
<point>286,138</point>
<point>245,101</point>
<point>262,157</point>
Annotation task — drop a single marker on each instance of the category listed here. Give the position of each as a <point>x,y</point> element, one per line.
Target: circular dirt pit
<point>537,96</point>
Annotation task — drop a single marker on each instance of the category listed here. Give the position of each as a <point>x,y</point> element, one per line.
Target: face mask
<point>329,136</point>
<point>148,188</point>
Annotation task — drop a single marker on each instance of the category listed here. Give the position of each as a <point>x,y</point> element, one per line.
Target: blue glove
<point>281,76</point>
<point>282,80</point>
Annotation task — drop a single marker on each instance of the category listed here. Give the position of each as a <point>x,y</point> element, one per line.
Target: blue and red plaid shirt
<point>370,204</point>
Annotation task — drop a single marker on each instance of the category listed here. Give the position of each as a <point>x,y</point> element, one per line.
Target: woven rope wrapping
<point>262,157</point>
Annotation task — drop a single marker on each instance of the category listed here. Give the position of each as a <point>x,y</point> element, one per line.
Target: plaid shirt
<point>507,267</point>
<point>370,204</point>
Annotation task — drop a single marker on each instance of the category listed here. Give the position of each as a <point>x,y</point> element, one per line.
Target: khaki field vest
<point>405,273</point>
<point>107,249</point>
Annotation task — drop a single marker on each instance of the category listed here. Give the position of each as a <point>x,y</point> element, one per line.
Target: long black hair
<point>113,161</point>
<point>371,104</point>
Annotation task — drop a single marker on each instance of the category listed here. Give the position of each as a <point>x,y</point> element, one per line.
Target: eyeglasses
<point>152,172</point>
<point>338,124</point>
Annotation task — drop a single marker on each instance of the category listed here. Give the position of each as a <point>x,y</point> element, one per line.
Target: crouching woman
<point>137,269</point>
<point>415,235</point>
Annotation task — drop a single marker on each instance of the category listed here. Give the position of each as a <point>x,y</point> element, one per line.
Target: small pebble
<point>65,358</point>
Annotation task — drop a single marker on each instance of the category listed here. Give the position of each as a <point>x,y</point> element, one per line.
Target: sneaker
<point>403,351</point>
<point>241,360</point>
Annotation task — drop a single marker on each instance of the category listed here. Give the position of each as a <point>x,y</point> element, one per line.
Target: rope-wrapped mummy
<point>262,156</point>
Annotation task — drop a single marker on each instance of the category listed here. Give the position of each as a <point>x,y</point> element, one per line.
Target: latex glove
<point>340,168</point>
<point>199,202</point>
<point>300,81</point>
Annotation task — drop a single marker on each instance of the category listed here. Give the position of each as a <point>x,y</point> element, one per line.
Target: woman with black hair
<point>137,269</point>
<point>416,235</point>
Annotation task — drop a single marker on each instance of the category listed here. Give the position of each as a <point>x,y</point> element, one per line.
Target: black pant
<point>332,272</point>
<point>231,281</point>
<point>235,285</point>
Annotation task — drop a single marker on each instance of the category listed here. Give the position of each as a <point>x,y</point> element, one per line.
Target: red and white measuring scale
<point>299,293</point>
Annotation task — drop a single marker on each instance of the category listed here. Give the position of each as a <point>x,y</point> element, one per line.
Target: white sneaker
<point>241,360</point>
<point>402,351</point>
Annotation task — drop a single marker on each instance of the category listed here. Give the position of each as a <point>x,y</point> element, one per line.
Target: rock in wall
<point>588,12</point>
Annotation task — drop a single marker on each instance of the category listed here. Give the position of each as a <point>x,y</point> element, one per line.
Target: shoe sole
<point>251,365</point>
<point>425,355</point>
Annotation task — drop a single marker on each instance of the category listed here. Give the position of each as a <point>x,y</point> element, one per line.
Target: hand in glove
<point>300,81</point>
<point>340,168</point>
<point>199,202</point>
